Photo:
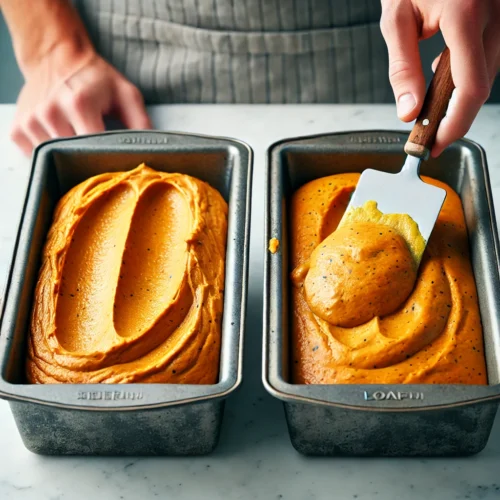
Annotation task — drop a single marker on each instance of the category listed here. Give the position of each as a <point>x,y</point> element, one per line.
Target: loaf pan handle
<point>113,397</point>
<point>375,397</point>
<point>135,140</point>
<point>344,141</point>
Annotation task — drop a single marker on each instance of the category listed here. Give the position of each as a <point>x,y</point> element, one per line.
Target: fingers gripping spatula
<point>405,192</point>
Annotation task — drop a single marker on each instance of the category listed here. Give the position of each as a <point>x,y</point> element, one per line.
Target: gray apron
<point>244,51</point>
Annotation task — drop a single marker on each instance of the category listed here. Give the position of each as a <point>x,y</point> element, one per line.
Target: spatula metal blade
<point>402,193</point>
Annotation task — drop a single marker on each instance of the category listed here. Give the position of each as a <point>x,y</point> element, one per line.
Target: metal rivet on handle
<point>425,122</point>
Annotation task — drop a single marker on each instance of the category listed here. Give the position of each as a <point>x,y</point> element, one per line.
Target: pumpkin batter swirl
<point>131,283</point>
<point>361,311</point>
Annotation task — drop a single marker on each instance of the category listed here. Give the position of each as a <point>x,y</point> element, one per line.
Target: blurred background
<point>11,79</point>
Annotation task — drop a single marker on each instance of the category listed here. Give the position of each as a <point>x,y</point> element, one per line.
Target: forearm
<point>42,27</point>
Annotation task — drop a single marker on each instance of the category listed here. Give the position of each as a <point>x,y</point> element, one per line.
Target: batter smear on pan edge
<point>131,284</point>
<point>362,313</point>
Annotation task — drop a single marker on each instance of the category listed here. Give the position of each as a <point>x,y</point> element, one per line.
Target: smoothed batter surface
<point>424,328</point>
<point>131,284</point>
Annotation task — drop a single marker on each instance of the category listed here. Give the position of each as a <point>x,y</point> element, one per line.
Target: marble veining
<point>254,459</point>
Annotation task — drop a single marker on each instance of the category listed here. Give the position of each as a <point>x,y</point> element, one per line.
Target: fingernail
<point>406,103</point>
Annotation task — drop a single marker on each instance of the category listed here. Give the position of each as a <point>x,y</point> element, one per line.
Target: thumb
<point>129,107</point>
<point>400,31</point>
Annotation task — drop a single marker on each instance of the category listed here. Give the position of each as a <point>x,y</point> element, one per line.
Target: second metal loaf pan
<point>381,420</point>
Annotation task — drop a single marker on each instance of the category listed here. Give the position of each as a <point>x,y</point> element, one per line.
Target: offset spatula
<point>406,193</point>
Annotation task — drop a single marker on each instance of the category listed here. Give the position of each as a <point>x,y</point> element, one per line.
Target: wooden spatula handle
<point>436,101</point>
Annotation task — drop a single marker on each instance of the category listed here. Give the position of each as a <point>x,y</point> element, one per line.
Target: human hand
<point>66,95</point>
<point>471,30</point>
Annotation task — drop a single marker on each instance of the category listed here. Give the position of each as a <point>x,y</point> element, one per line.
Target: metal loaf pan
<point>381,420</point>
<point>124,419</point>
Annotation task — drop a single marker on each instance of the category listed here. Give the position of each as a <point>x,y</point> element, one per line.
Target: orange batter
<point>131,284</point>
<point>274,245</point>
<point>362,313</point>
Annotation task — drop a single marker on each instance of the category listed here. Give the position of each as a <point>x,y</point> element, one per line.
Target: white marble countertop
<point>254,458</point>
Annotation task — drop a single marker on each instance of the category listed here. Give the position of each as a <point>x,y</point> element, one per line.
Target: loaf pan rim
<point>202,392</point>
<point>292,393</point>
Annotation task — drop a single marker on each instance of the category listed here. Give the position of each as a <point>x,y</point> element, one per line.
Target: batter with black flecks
<point>364,311</point>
